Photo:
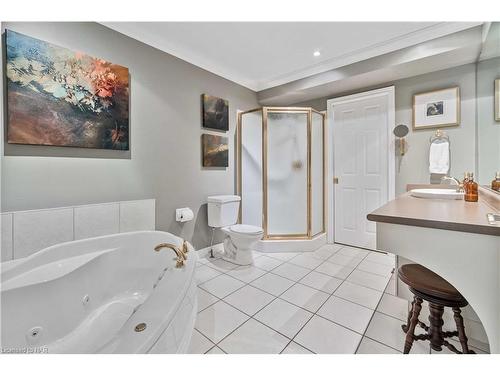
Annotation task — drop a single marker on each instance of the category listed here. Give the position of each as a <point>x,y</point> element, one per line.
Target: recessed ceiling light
<point>316,53</point>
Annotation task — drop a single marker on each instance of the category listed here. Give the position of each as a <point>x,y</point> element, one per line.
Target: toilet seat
<point>245,229</point>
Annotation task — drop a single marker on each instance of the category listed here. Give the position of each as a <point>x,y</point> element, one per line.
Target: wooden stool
<point>428,286</point>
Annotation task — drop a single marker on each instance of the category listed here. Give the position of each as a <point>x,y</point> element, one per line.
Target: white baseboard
<point>291,246</point>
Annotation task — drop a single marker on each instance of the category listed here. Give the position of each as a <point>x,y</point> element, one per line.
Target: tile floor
<point>337,299</point>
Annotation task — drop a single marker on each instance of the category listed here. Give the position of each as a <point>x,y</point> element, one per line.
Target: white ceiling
<point>264,55</point>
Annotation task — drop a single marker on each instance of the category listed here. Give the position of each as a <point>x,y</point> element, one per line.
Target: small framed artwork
<point>497,99</point>
<point>215,113</point>
<point>437,108</point>
<point>215,150</point>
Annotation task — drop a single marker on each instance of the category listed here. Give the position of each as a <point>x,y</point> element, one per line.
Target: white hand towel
<point>439,157</point>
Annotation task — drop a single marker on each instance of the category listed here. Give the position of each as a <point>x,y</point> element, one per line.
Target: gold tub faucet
<point>181,256</point>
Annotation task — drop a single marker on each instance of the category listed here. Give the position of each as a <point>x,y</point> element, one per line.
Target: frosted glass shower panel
<point>317,171</point>
<point>251,168</point>
<point>287,173</point>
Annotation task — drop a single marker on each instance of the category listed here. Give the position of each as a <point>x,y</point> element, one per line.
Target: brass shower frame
<point>265,110</point>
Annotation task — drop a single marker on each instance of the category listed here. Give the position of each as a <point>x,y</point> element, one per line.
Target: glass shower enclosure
<point>281,171</point>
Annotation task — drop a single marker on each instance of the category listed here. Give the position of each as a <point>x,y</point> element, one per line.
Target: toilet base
<point>240,256</point>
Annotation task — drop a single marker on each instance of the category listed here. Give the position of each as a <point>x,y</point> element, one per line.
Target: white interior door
<point>363,164</point>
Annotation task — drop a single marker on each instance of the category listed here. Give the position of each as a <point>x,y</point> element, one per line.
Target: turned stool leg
<point>459,321</point>
<point>410,313</point>
<point>412,323</point>
<point>436,326</point>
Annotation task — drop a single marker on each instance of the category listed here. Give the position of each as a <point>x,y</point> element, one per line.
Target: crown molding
<point>140,33</point>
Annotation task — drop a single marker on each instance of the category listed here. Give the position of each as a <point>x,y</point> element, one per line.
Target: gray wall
<point>165,157</point>
<point>413,166</point>
<point>488,129</point>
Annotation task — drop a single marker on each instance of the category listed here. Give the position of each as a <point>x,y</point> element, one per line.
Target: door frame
<point>389,94</point>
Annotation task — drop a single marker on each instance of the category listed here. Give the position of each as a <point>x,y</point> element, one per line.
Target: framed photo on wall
<point>437,108</point>
<point>215,150</point>
<point>215,113</point>
<point>497,99</point>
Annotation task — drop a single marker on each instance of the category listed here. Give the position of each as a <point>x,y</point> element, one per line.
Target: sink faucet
<point>181,253</point>
<point>460,186</point>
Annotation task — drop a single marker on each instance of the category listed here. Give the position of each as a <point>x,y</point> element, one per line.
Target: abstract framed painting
<point>59,97</point>
<point>215,113</point>
<point>215,150</point>
<point>438,108</point>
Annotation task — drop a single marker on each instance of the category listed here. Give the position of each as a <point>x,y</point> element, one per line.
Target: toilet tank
<point>223,210</point>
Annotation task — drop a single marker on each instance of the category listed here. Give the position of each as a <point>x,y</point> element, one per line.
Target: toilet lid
<point>246,229</point>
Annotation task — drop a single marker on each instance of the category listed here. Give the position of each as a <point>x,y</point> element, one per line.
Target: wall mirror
<point>488,107</point>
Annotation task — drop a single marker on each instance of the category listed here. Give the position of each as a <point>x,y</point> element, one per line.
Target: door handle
<point>335,180</point>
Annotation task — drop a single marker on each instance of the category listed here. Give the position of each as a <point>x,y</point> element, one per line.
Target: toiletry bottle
<point>495,184</point>
<point>471,193</point>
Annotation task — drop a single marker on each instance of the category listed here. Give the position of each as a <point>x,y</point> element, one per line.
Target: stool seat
<point>423,280</point>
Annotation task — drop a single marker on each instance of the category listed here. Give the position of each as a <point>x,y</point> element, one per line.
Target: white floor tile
<point>254,338</point>
<point>246,274</point>
<point>320,281</point>
<point>205,299</point>
<point>294,348</point>
<point>256,254</point>
<point>306,260</point>
<point>370,280</point>
<point>387,330</point>
<point>388,259</point>
<point>326,251</point>
<point>199,344</point>
<point>265,263</point>
<point>376,268</point>
<point>291,271</point>
<point>221,265</point>
<point>368,346</point>
<point>272,283</point>
<point>346,313</point>
<point>249,299</point>
<point>322,336</point>
<point>221,286</point>
<point>305,297</point>
<point>354,251</point>
<point>359,294</point>
<point>393,306</point>
<point>391,286</point>
<point>283,317</point>
<point>335,270</point>
<point>215,350</point>
<point>345,260</point>
<point>284,257</point>
<point>218,320</point>
<point>204,273</point>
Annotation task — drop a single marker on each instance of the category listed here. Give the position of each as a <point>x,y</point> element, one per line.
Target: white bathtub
<point>88,296</point>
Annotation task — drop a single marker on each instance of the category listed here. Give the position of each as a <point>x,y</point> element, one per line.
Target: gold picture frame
<point>497,99</point>
<point>436,109</point>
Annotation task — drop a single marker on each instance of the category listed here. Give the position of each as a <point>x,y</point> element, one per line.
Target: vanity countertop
<point>456,215</point>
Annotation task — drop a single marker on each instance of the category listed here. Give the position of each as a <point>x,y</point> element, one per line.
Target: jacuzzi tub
<point>88,296</point>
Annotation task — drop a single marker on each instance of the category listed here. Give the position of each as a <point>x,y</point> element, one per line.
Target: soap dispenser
<point>471,189</point>
<point>495,184</point>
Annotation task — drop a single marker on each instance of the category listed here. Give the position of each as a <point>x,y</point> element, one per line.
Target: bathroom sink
<point>436,193</point>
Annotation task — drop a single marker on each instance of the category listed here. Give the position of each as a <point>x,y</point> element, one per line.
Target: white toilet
<point>223,213</point>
